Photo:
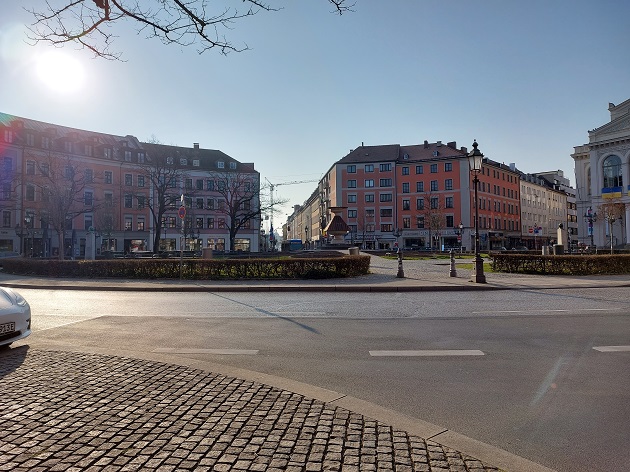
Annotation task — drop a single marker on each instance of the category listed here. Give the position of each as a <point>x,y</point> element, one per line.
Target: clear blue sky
<point>526,79</point>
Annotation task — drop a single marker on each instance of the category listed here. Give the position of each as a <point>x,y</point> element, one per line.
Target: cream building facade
<point>602,173</point>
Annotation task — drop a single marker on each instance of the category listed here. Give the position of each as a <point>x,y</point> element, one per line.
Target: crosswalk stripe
<point>172,350</point>
<point>427,353</point>
<point>612,348</point>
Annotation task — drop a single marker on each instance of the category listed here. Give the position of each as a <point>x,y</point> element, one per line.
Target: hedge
<point>562,265</point>
<point>195,269</point>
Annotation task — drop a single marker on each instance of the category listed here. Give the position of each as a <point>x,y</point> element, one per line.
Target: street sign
<point>531,230</point>
<point>182,212</point>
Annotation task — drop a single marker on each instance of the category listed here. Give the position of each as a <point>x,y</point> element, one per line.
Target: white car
<point>15,317</point>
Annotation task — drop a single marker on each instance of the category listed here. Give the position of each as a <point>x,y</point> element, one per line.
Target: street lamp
<point>590,217</point>
<point>611,221</point>
<point>475,160</point>
<point>401,273</point>
<point>460,234</point>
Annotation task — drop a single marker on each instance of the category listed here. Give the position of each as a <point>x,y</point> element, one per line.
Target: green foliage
<point>196,269</point>
<point>562,265</point>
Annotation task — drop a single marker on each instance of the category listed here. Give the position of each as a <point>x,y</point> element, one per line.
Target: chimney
<point>452,144</point>
<point>512,166</point>
<point>195,145</point>
<point>426,144</point>
<point>438,144</point>
<point>464,149</point>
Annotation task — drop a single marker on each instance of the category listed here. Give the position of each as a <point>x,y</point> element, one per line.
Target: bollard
<point>401,273</point>
<point>453,272</point>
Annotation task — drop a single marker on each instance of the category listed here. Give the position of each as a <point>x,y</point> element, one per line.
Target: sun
<point>60,72</point>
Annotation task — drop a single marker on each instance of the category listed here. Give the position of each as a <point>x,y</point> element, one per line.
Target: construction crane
<point>272,187</point>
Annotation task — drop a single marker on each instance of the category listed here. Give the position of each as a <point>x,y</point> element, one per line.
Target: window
<point>108,177</point>
<point>434,185</point>
<point>30,193</point>
<point>221,224</point>
<point>88,198</point>
<point>405,170</point>
<point>448,184</point>
<point>199,184</point>
<point>67,145</point>
<point>107,153</point>
<point>435,203</point>
<point>405,187</point>
<point>420,222</point>
<point>448,202</point>
<point>352,169</point>
<point>385,183</point>
<point>221,165</point>
<point>386,228</point>
<point>352,198</point>
<point>612,172</point>
<point>199,203</point>
<point>387,212</point>
<point>183,161</point>
<point>30,139</point>
<point>172,222</point>
<point>141,157</point>
<point>128,180</point>
<point>140,180</point>
<point>448,166</point>
<point>6,219</point>
<point>199,222</point>
<point>232,165</point>
<point>88,176</point>
<point>406,204</point>
<point>210,223</point>
<point>30,167</point>
<point>385,197</point>
<point>210,203</point>
<point>8,136</point>
<point>109,199</point>
<point>434,168</point>
<point>188,184</point>
<point>352,184</point>
<point>68,172</point>
<point>128,200</point>
<point>369,183</point>
<point>169,160</point>
<point>44,169</point>
<point>407,222</point>
<point>369,167</point>
<point>385,167</point>
<point>449,221</point>
<point>128,223</point>
<point>419,186</point>
<point>369,198</point>
<point>140,224</point>
<point>369,213</point>
<point>420,204</point>
<point>141,201</point>
<point>419,169</point>
<point>352,213</point>
<point>210,185</point>
<point>87,221</point>
<point>221,185</point>
<point>127,156</point>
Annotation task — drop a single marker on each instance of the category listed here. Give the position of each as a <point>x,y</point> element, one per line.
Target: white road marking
<point>169,350</point>
<point>428,353</point>
<point>573,310</point>
<point>612,348</point>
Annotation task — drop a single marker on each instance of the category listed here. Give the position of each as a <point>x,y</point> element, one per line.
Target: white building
<point>602,173</point>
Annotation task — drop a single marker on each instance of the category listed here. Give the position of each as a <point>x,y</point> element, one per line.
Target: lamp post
<point>460,236</point>
<point>401,273</point>
<point>590,217</point>
<point>475,160</point>
<point>611,221</point>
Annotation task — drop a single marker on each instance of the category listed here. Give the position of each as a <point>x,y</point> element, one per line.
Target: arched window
<point>612,172</point>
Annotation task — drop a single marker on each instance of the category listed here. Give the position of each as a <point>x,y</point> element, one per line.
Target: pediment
<point>620,124</point>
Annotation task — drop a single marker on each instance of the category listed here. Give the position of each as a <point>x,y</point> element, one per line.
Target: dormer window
<point>8,136</point>
<point>45,142</point>
<point>169,160</point>
<point>183,161</point>
<point>232,165</point>
<point>221,165</point>
<point>30,139</point>
<point>141,157</point>
<point>107,153</point>
<point>67,146</point>
<point>88,149</point>
<point>195,162</point>
<point>127,156</point>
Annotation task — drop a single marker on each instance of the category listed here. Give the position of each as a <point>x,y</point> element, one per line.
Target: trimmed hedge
<point>561,265</point>
<point>196,269</point>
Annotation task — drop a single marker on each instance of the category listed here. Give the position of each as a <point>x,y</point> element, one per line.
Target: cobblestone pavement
<point>63,411</point>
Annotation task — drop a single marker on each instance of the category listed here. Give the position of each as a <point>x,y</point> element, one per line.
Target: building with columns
<point>602,174</point>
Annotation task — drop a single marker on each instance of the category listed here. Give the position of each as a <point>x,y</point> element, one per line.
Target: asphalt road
<point>526,371</point>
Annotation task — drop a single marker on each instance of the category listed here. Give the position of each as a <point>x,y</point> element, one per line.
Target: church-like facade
<point>602,173</point>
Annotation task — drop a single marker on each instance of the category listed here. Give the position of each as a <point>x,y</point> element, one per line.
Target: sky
<point>527,80</point>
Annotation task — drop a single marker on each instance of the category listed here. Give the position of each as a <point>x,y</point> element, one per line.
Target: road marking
<point>172,350</point>
<point>612,348</point>
<point>545,311</point>
<point>428,353</point>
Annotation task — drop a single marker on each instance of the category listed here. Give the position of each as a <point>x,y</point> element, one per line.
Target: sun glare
<point>60,72</point>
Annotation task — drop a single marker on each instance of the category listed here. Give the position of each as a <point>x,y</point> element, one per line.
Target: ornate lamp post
<point>475,160</point>
<point>460,236</point>
<point>401,273</point>
<point>590,217</point>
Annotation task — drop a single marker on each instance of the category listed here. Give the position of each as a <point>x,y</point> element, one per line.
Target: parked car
<point>521,248</point>
<point>15,317</point>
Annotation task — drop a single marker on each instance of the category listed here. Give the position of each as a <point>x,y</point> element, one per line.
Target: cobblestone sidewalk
<point>64,411</point>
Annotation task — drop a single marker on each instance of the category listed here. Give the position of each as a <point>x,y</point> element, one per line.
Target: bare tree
<point>612,211</point>
<point>433,212</point>
<point>243,201</point>
<point>89,23</point>
<point>163,173</point>
<point>64,188</point>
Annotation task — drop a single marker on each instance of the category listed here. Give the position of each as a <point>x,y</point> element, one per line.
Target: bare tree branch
<point>89,23</point>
